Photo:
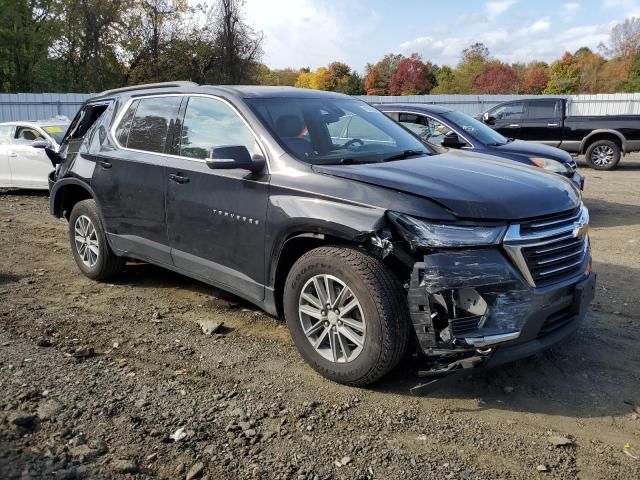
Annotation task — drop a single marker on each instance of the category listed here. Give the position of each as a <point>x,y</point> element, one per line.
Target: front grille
<point>550,249</point>
<point>542,224</point>
<point>555,321</point>
<point>556,260</point>
<point>462,326</point>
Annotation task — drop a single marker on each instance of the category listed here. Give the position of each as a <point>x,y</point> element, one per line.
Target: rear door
<point>5,140</point>
<point>543,121</point>
<point>508,118</point>
<point>130,181</point>
<point>29,166</point>
<point>216,218</point>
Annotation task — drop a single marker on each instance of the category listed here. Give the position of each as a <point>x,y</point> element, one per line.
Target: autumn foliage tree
<point>497,78</point>
<point>411,77</point>
<point>535,78</point>
<point>374,83</point>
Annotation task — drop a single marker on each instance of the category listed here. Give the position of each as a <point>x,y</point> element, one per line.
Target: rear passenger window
<point>122,132</point>
<point>210,123</point>
<point>542,109</point>
<point>151,123</point>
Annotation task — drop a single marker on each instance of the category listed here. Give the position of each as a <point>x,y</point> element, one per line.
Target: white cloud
<point>538,26</point>
<point>308,33</point>
<point>496,8</point>
<point>571,7</point>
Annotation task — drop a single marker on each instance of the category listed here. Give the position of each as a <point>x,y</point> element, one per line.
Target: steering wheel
<point>352,142</point>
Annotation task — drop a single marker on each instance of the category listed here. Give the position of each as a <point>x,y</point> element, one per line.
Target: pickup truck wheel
<point>347,314</point>
<point>603,155</point>
<point>89,244</point>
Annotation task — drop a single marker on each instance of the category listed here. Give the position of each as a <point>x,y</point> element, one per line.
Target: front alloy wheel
<point>347,313</point>
<point>332,318</point>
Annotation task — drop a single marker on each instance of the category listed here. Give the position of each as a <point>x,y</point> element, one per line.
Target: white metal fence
<point>601,104</point>
<point>44,106</point>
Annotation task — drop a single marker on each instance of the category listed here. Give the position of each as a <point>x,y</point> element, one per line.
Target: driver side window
<point>509,112</point>
<point>26,135</point>
<point>426,128</point>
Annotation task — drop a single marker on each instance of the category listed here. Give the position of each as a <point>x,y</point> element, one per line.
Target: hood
<point>529,149</point>
<point>471,186</point>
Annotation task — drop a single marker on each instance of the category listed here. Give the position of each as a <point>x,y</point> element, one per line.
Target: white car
<point>21,165</point>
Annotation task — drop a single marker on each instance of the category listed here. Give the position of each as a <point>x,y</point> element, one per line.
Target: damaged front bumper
<point>473,307</point>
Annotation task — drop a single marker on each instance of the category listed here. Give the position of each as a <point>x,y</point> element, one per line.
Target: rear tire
<point>603,155</point>
<point>89,245</point>
<point>370,338</point>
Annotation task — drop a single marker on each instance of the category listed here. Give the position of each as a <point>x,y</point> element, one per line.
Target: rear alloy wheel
<point>347,314</point>
<point>89,245</point>
<point>603,155</point>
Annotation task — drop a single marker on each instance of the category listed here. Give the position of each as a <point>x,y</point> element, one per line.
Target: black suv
<point>368,243</point>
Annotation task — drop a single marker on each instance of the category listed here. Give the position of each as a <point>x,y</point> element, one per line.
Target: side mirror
<point>488,119</point>
<point>451,140</point>
<point>235,156</point>
<point>41,144</point>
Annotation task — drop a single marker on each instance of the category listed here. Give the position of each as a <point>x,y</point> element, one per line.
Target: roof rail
<point>147,86</point>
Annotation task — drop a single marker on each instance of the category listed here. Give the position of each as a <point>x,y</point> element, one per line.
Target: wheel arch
<point>603,134</point>
<point>65,193</point>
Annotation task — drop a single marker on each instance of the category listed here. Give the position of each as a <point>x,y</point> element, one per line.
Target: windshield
<point>479,130</point>
<point>56,132</point>
<point>335,130</point>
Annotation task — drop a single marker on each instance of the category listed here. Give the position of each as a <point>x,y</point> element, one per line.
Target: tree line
<point>93,45</point>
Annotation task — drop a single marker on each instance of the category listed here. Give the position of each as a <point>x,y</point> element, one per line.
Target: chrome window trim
<point>126,106</point>
<point>422,114</point>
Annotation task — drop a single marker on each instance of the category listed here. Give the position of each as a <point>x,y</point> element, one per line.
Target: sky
<point>313,33</point>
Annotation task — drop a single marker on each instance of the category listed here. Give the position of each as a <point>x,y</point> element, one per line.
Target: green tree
<point>475,60</point>
<point>445,81</point>
<point>564,76</point>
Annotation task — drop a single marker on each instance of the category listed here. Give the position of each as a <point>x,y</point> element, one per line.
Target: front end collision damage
<point>468,303</point>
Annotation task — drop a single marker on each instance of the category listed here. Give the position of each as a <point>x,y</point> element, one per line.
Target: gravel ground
<point>116,380</point>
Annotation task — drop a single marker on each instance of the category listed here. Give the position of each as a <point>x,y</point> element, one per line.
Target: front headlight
<point>550,165</point>
<point>421,233</point>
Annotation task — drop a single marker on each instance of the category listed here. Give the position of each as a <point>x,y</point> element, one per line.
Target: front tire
<point>603,155</point>
<point>347,314</point>
<point>89,245</point>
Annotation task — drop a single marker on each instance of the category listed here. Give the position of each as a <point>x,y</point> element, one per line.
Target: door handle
<point>514,125</point>
<point>552,124</point>
<point>179,178</point>
<point>13,154</point>
<point>104,164</point>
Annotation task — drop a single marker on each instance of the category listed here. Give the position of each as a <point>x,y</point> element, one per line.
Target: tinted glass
<point>151,123</point>
<point>210,123</point>
<point>426,128</point>
<point>542,109</point>
<point>479,130</point>
<point>122,132</point>
<point>512,110</point>
<point>334,130</point>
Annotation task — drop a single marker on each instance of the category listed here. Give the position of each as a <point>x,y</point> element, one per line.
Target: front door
<point>130,181</point>
<point>5,140</point>
<point>508,118</point>
<point>216,218</point>
<point>29,166</point>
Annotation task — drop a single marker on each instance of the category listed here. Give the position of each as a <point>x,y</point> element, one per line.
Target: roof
<point>37,123</point>
<point>241,91</point>
<point>418,107</point>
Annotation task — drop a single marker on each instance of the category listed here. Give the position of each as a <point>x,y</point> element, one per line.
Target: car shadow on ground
<point>23,192</point>
<point>625,164</point>
<point>603,213</point>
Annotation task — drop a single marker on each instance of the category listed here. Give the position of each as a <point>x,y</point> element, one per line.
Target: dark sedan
<point>452,129</point>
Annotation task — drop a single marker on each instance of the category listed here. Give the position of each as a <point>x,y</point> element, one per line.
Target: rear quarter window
<point>151,122</point>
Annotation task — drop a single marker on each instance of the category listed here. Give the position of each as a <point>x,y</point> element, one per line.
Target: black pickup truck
<point>602,139</point>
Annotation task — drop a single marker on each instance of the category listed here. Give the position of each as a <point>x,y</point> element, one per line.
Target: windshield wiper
<point>406,154</point>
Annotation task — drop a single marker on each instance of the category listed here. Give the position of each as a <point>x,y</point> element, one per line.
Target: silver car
<point>21,165</point>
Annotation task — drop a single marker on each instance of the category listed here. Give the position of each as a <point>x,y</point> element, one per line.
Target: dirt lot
<point>95,379</point>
